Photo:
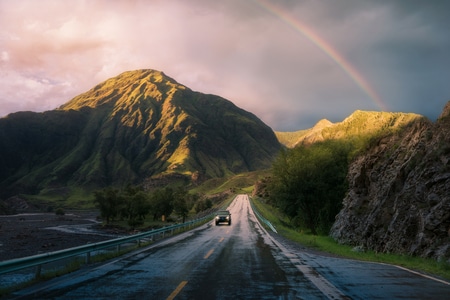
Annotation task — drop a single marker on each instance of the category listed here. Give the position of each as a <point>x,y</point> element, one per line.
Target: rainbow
<point>326,48</point>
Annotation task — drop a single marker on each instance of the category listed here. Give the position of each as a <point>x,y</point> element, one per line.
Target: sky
<point>289,62</point>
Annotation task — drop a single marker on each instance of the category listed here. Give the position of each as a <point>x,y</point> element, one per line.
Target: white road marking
<point>326,287</point>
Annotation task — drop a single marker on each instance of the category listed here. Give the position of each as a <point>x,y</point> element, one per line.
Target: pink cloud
<point>52,50</point>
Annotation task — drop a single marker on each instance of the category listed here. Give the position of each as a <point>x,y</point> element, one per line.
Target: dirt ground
<point>29,234</point>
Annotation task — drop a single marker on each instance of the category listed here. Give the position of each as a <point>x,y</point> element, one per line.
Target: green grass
<point>327,244</point>
<point>240,183</point>
<point>68,198</point>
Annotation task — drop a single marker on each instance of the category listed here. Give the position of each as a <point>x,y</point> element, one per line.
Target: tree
<point>309,183</point>
<point>108,201</point>
<point>136,205</point>
<point>203,205</point>
<point>161,202</point>
<point>180,203</point>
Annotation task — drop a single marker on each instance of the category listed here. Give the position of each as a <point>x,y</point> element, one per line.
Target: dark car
<point>223,216</point>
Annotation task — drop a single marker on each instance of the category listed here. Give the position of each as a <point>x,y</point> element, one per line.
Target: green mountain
<point>139,125</point>
<point>359,124</point>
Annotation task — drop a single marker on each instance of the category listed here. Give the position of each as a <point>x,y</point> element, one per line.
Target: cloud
<point>51,51</point>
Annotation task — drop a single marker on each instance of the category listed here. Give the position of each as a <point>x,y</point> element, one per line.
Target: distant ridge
<point>358,123</point>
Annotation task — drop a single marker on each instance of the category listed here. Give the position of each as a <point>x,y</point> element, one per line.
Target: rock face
<point>399,193</point>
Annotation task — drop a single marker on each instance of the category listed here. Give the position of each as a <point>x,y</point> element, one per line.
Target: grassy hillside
<point>240,183</point>
<point>138,125</point>
<point>358,124</point>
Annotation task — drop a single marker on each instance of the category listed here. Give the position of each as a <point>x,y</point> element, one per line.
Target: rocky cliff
<point>399,193</point>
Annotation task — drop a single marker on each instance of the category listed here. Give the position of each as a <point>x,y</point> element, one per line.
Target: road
<point>241,261</point>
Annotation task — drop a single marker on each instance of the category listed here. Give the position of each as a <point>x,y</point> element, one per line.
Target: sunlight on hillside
<point>148,85</point>
<point>357,124</point>
<point>180,156</point>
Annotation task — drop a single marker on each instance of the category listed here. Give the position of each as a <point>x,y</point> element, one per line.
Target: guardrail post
<point>139,242</point>
<point>118,248</point>
<point>38,271</point>
<point>88,258</point>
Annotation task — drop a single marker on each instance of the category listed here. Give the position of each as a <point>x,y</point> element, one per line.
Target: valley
<point>143,129</point>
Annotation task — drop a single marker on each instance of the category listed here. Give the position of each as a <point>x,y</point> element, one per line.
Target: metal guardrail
<point>40,259</point>
<point>262,219</point>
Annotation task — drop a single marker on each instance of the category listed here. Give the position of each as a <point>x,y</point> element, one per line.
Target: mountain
<point>138,125</point>
<point>360,123</point>
<point>399,193</point>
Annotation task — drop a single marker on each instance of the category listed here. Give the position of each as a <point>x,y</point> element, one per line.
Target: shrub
<point>60,212</point>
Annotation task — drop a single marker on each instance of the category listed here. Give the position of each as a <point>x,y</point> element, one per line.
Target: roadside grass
<point>327,244</point>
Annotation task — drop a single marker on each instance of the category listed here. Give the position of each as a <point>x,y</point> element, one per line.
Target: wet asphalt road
<point>241,261</point>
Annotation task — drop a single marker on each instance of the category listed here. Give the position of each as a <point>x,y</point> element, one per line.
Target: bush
<point>309,183</point>
<point>60,212</point>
